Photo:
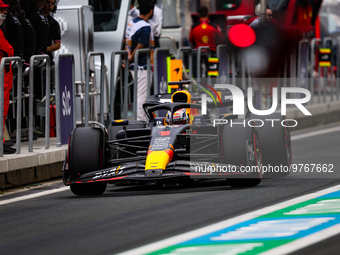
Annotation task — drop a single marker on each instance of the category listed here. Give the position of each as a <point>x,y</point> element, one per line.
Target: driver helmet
<point>181,116</point>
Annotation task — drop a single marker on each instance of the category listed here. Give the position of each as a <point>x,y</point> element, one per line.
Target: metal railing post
<point>113,84</point>
<point>233,68</point>
<point>285,73</point>
<point>87,86</point>
<point>302,64</point>
<point>220,49</point>
<point>135,78</point>
<point>19,91</point>
<point>199,56</point>
<point>338,70</point>
<point>19,105</point>
<point>57,88</point>
<point>47,104</point>
<point>2,89</point>
<point>293,70</point>
<point>155,77</point>
<point>300,57</point>
<point>327,41</point>
<point>31,101</point>
<point>244,85</point>
<point>325,74</point>
<point>312,62</point>
<point>179,56</point>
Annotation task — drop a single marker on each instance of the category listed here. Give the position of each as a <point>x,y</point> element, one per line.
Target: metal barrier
<point>57,91</point>
<point>31,100</point>
<point>87,86</point>
<point>19,91</point>
<point>325,74</point>
<point>168,42</point>
<point>137,53</point>
<point>112,83</point>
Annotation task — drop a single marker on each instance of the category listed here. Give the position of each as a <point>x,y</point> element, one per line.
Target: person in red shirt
<point>6,50</point>
<point>205,33</point>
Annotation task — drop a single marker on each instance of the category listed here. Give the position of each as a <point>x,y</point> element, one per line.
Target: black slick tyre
<point>240,145</point>
<point>86,152</point>
<point>275,146</point>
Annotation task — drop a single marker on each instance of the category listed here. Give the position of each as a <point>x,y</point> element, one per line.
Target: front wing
<point>179,169</point>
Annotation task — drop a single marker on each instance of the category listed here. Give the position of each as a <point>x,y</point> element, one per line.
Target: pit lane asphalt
<point>127,217</point>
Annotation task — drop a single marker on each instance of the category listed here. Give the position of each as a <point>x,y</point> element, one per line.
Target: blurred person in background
<point>269,18</point>
<point>13,31</point>
<point>156,23</point>
<point>40,25</point>
<point>133,12</point>
<point>39,22</point>
<point>54,29</point>
<point>28,37</point>
<point>139,35</point>
<point>28,33</point>
<point>204,32</point>
<point>33,10</point>
<point>6,50</point>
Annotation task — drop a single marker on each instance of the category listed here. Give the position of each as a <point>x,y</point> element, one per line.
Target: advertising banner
<point>66,100</point>
<point>162,72</point>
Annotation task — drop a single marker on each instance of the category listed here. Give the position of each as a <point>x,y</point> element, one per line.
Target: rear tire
<point>236,142</point>
<point>86,152</point>
<point>275,146</point>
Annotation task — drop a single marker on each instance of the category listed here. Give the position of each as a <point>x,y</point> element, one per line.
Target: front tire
<point>86,152</point>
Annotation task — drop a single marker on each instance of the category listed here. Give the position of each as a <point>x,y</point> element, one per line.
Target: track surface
<point>127,217</point>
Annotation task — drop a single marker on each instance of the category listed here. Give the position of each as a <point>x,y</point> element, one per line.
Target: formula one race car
<point>181,142</point>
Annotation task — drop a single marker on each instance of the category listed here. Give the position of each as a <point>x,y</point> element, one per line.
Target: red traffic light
<point>242,35</point>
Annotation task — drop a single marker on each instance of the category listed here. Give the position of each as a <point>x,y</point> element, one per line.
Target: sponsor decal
<point>164,133</point>
<point>66,99</point>
<point>108,173</point>
<point>325,57</point>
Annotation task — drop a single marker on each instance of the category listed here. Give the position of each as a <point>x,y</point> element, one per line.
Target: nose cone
<point>156,162</point>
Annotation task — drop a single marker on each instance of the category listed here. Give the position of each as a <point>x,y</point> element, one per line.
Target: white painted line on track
<point>226,223</point>
<point>35,195</point>
<point>304,242</point>
<point>315,133</point>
